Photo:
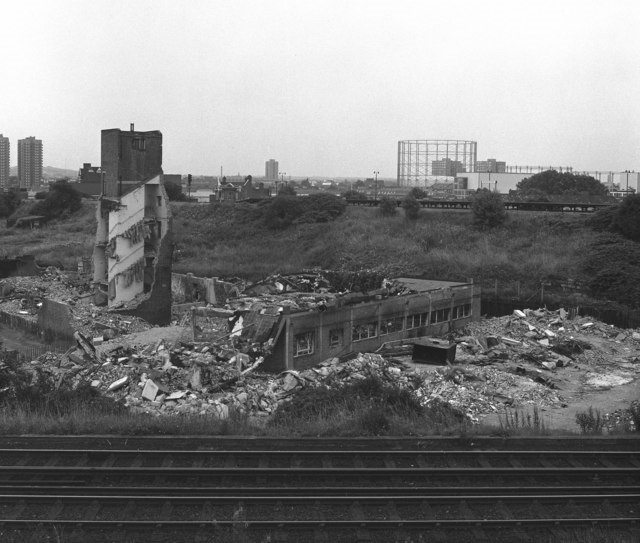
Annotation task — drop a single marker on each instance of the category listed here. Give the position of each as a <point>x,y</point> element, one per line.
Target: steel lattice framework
<point>420,162</point>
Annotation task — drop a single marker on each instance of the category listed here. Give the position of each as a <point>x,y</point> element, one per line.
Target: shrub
<point>411,207</point>
<point>634,414</point>
<point>61,201</point>
<point>590,421</point>
<point>603,219</point>
<point>488,209</point>
<point>174,192</point>
<point>387,207</point>
<point>611,266</point>
<point>626,219</point>
<point>9,202</point>
<point>284,210</point>
<point>354,195</point>
<point>417,193</point>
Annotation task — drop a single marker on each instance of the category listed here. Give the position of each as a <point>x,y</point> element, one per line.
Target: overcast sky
<point>327,88</point>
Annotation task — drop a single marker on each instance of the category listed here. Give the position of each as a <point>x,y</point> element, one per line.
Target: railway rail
<point>259,490</point>
<point>563,207</point>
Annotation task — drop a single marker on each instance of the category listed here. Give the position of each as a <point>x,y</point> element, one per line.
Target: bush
<point>411,207</point>
<point>417,193</point>
<point>387,207</point>
<point>603,219</point>
<point>9,202</point>
<point>626,219</point>
<point>174,192</point>
<point>488,209</point>
<point>61,201</point>
<point>284,210</point>
<point>590,422</point>
<point>611,266</point>
<point>354,195</point>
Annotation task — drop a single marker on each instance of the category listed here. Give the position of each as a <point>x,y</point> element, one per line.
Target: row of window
<point>305,342</point>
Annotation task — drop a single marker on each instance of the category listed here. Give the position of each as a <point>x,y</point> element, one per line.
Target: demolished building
<point>298,331</point>
<point>133,252</point>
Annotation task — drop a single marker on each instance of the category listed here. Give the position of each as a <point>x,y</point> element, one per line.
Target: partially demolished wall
<point>133,253</point>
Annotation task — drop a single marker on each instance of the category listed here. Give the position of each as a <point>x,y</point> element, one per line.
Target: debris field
<point>541,358</point>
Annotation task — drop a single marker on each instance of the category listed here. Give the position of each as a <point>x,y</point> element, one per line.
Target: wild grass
<point>59,242</point>
<point>590,421</point>
<point>366,407</point>
<point>522,422</point>
<point>442,244</point>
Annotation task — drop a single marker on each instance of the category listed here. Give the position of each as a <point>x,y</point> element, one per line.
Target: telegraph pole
<point>375,190</point>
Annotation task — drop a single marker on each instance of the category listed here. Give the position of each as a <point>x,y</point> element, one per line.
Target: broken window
<point>417,320</point>
<point>303,344</point>
<point>390,325</point>
<point>440,315</point>
<point>461,311</point>
<point>336,337</point>
<point>364,331</point>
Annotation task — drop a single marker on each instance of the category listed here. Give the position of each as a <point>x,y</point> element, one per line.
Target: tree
<point>354,195</point>
<point>487,209</point>
<point>61,201</point>
<point>626,219</point>
<point>174,192</point>
<point>9,202</point>
<point>286,190</point>
<point>411,207</point>
<point>418,193</point>
<point>387,207</point>
<point>569,185</point>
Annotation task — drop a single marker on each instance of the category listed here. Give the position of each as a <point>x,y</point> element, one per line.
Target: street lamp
<point>375,189</point>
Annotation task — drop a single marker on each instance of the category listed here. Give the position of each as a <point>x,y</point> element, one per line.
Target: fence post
<point>518,287</point>
<point>496,289</point>
<point>541,293</point>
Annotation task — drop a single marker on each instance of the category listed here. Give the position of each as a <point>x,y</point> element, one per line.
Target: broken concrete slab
<point>150,390</point>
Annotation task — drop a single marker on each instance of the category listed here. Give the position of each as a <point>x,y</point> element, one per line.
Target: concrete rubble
<point>512,361</point>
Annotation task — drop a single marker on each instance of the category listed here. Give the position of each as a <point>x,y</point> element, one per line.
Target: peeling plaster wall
<point>134,250</point>
<point>128,253</point>
<point>155,308</point>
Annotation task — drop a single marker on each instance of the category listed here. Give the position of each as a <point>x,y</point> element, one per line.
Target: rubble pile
<point>24,295</point>
<point>213,364</point>
<point>480,391</point>
<point>206,380</point>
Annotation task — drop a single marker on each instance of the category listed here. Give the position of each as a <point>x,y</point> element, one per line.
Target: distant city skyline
<point>333,89</point>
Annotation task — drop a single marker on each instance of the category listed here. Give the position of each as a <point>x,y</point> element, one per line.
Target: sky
<point>327,88</point>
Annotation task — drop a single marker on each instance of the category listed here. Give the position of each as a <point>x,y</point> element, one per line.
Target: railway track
<point>338,491</point>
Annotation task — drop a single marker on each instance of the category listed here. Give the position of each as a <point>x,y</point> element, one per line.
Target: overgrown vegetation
<point>9,202</point>
<point>590,421</point>
<point>622,218</point>
<point>487,209</point>
<point>387,207</point>
<point>521,422</point>
<point>60,202</point>
<point>364,407</point>
<point>411,207</point>
<point>611,267</point>
<point>564,186</point>
<point>287,209</point>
